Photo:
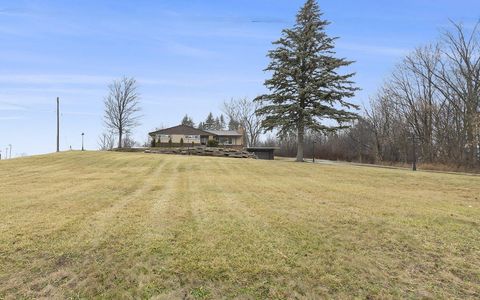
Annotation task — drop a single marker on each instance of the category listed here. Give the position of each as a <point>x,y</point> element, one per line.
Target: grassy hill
<point>118,225</point>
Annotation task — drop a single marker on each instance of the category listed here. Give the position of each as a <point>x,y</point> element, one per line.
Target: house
<point>197,137</point>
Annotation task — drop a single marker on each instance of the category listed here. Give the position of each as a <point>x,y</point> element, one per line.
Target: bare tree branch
<point>122,105</point>
<point>243,111</point>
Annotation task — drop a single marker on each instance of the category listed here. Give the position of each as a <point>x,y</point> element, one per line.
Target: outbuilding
<point>267,153</point>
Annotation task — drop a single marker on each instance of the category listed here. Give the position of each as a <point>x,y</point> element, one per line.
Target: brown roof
<point>181,129</point>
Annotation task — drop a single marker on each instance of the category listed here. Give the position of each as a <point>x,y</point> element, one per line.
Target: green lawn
<point>129,225</point>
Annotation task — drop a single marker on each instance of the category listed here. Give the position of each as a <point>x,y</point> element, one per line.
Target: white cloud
<point>11,106</point>
<point>187,50</point>
<point>374,49</point>
<point>11,118</point>
<point>189,80</point>
<point>54,79</point>
<point>80,113</point>
<point>25,57</point>
<point>52,90</point>
<point>198,81</point>
<point>13,12</point>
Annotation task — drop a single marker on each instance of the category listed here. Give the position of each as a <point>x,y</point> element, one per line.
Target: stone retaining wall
<point>203,151</point>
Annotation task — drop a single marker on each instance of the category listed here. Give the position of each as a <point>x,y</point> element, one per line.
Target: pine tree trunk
<point>300,142</point>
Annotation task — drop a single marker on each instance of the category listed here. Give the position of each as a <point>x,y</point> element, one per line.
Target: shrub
<point>181,143</point>
<point>212,143</point>
<point>152,143</point>
<point>170,143</point>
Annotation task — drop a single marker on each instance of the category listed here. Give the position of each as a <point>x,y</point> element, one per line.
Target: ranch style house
<point>197,137</point>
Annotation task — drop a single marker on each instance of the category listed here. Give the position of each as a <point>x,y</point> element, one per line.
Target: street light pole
<point>83,149</point>
<point>414,166</point>
<point>313,152</point>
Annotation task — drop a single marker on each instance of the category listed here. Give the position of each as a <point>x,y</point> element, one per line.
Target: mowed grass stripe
<point>383,228</point>
<point>140,226</point>
<point>63,219</point>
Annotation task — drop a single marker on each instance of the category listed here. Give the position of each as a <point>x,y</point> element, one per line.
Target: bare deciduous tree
<point>434,94</point>
<point>243,111</point>
<point>129,142</point>
<point>460,73</point>
<point>122,106</point>
<point>106,141</point>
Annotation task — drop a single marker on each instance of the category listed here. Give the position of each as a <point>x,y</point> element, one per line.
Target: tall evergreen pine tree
<point>209,123</point>
<point>188,121</point>
<point>233,124</point>
<point>305,88</point>
<point>216,124</point>
<point>222,123</point>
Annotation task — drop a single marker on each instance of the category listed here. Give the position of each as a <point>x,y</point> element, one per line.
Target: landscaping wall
<point>203,151</point>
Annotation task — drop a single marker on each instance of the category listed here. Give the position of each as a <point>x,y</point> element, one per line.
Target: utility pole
<point>83,148</point>
<point>10,145</point>
<point>58,124</point>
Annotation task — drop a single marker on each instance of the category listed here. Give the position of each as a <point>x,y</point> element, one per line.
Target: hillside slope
<point>118,225</point>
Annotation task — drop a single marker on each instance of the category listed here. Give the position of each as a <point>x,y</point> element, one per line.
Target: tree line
<point>428,109</point>
<point>432,97</point>
<point>210,123</point>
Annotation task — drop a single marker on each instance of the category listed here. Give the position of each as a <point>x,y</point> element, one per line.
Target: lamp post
<point>10,155</point>
<point>414,165</point>
<point>313,151</point>
<point>83,148</point>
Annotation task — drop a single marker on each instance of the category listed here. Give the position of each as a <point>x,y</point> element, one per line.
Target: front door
<point>203,140</point>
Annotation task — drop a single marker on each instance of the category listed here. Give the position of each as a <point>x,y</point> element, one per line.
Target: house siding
<point>174,136</point>
<point>177,138</point>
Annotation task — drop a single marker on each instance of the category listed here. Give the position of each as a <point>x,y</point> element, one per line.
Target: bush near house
<point>212,143</point>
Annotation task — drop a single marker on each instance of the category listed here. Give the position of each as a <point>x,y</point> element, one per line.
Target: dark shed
<point>263,152</point>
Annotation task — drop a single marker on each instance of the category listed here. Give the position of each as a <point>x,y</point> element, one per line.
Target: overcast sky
<point>188,56</point>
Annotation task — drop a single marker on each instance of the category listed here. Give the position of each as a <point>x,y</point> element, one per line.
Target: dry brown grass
<point>438,167</point>
<point>129,225</point>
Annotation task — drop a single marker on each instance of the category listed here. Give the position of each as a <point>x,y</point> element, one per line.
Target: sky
<point>188,56</point>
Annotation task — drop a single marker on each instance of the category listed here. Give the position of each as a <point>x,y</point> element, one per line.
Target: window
<point>225,140</point>
<point>163,138</point>
<point>192,138</point>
